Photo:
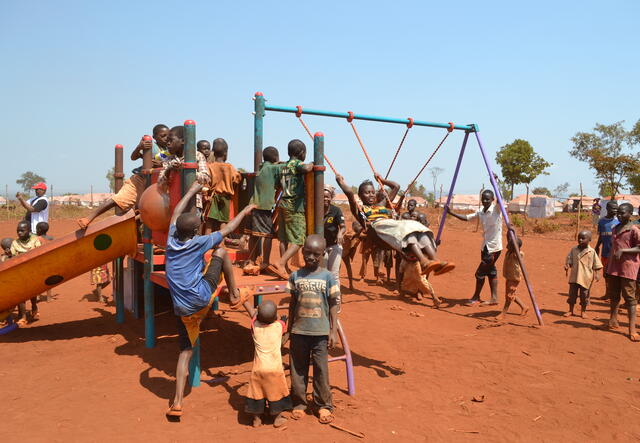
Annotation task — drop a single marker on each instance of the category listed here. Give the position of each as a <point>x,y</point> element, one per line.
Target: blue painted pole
<point>453,185</point>
<point>194,365</point>
<point>149,305</point>
<point>318,183</point>
<point>118,267</point>
<point>373,118</point>
<point>505,215</point>
<point>258,120</point>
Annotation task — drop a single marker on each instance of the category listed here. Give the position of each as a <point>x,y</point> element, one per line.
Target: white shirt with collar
<point>491,226</point>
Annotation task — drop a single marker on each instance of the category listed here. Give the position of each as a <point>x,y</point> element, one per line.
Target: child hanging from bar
<point>25,242</point>
<point>292,222</point>
<point>261,229</point>
<point>191,286</point>
<point>226,178</point>
<point>267,384</point>
<point>585,267</point>
<point>128,196</point>
<point>382,230</point>
<point>512,273</point>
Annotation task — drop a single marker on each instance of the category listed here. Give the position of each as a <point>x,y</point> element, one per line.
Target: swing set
<point>260,111</point>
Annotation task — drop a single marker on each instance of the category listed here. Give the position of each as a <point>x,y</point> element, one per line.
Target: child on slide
<point>404,236</point>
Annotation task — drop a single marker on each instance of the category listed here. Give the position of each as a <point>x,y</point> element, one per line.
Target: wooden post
<point>91,196</point>
<point>579,212</point>
<point>439,203</point>
<point>526,203</point>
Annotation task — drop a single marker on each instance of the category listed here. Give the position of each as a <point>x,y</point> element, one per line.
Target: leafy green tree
<point>541,191</point>
<point>520,164</point>
<point>609,152</point>
<point>111,179</point>
<point>28,179</point>
<point>431,198</point>
<point>417,190</point>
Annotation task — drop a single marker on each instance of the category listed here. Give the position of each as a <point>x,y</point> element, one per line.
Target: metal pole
<point>149,306</point>
<point>511,233</point>
<point>401,121</point>
<point>118,264</point>
<point>318,183</point>
<point>453,185</point>
<point>258,120</point>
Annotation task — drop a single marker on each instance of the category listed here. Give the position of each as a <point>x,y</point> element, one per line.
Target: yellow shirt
<point>20,247</point>
<point>582,263</point>
<point>511,267</point>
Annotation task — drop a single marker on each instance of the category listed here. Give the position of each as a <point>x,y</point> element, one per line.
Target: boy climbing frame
<point>261,107</point>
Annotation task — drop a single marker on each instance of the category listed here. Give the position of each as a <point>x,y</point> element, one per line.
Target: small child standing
<point>25,242</point>
<point>100,278</point>
<point>412,281</point>
<point>512,274</point>
<point>313,314</point>
<point>267,385</point>
<point>622,269</point>
<point>292,225</point>
<point>224,179</point>
<point>585,266</point>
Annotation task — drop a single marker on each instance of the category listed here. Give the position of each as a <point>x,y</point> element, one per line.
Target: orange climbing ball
<point>154,208</point>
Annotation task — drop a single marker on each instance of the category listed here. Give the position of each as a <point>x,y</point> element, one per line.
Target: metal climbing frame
<point>261,107</point>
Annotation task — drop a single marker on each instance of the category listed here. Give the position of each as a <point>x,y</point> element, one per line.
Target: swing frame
<point>260,111</point>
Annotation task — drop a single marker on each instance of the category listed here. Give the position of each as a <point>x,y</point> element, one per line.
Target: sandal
<point>325,416</point>
<point>174,412</point>
<point>446,267</point>
<point>297,414</point>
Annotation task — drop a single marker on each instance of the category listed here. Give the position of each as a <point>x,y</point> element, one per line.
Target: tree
<point>561,190</point>
<point>520,163</point>
<point>435,172</point>
<point>28,179</point>
<point>541,191</point>
<point>609,152</point>
<point>417,190</point>
<point>431,198</point>
<point>111,179</point>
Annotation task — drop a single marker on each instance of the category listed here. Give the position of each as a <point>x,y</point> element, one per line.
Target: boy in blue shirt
<point>605,231</point>
<point>313,314</point>
<point>192,290</point>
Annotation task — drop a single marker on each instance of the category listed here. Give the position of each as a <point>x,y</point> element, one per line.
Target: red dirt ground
<point>76,375</point>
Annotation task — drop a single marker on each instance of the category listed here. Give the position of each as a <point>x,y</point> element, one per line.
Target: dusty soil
<point>76,375</point>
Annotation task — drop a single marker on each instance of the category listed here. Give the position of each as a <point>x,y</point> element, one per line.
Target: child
<point>491,218</point>
<point>192,292</point>
<point>512,274</point>
<point>413,282</point>
<point>267,384</point>
<point>204,148</point>
<point>261,227</point>
<point>622,269</point>
<point>605,230</point>
<point>585,266</point>
<point>42,228</point>
<point>292,223</point>
<point>595,211</point>
<point>226,178</point>
<point>411,213</point>
<point>6,249</point>
<point>313,314</point>
<point>25,242</point>
<point>100,278</point>
<point>127,197</point>
<point>350,244</point>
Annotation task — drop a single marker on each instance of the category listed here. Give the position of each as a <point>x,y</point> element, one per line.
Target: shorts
<point>618,287</point>
<point>257,407</point>
<point>487,266</point>
<point>220,207</point>
<point>189,325</point>
<point>128,196</point>
<point>292,227</point>
<point>575,291</point>
<point>261,224</point>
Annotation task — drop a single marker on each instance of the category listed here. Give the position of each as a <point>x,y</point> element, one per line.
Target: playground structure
<point>261,107</point>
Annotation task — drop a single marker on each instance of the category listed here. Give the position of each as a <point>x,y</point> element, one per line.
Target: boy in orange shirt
<point>224,179</point>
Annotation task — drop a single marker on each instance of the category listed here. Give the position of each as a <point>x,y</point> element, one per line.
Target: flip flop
<point>174,412</point>
<point>447,267</point>
<point>297,414</point>
<point>471,302</point>
<point>277,272</point>
<point>433,266</point>
<point>243,294</point>
<point>325,416</point>
<point>634,337</point>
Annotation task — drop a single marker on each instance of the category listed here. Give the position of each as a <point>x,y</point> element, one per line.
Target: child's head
<point>267,312</point>
<point>313,251</point>
<point>422,218</point>
<point>187,226</point>
<point>176,140</point>
<point>220,149</point>
<point>405,216</point>
<point>510,245</point>
<point>487,198</point>
<point>270,154</point>
<point>329,195</point>
<point>584,238</point>
<point>204,147</point>
<point>367,192</point>
<point>297,149</point>
<point>625,210</point>
<point>612,208</point>
<point>42,228</point>
<point>161,135</point>
<point>23,230</point>
<point>411,205</point>
<point>6,245</point>
<point>357,227</point>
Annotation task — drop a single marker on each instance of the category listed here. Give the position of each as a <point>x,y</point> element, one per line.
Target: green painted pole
<point>118,268</point>
<point>149,305</point>
<point>258,120</point>
<point>318,183</point>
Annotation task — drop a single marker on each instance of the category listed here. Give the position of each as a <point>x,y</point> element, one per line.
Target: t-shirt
<point>627,266</point>
<point>511,267</point>
<point>312,292</point>
<point>605,230</point>
<point>292,185</point>
<point>491,220</point>
<point>332,221</point>
<point>224,177</point>
<point>582,263</point>
<point>264,188</point>
<point>184,265</point>
<point>20,247</point>
<point>158,154</point>
<point>38,206</point>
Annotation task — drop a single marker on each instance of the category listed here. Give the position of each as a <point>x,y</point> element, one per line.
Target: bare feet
<point>583,314</point>
<point>297,414</point>
<point>83,222</point>
<point>278,271</point>
<point>634,337</point>
<point>22,322</point>
<point>279,420</point>
<point>567,314</point>
<point>499,317</point>
<point>613,324</point>
<point>524,312</point>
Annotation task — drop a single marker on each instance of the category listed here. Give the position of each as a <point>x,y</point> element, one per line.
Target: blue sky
<point>79,77</point>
